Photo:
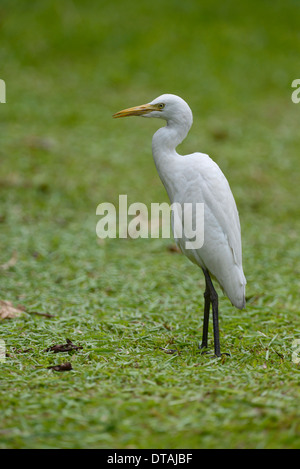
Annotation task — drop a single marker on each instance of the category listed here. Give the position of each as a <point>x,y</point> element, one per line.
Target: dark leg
<point>214,301</point>
<point>216,326</point>
<point>206,316</point>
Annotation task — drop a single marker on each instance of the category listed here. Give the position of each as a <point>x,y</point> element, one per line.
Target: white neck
<point>164,144</point>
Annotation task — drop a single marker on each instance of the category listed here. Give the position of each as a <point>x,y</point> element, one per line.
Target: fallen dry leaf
<point>174,248</point>
<point>46,315</point>
<point>13,351</point>
<point>8,311</point>
<point>63,347</point>
<point>63,367</point>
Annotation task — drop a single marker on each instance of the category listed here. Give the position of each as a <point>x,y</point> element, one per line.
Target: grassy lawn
<point>68,66</point>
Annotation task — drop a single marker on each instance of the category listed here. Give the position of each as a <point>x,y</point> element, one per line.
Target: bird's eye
<point>161,106</point>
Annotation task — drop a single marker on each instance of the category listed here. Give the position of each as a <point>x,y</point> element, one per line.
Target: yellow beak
<point>136,111</point>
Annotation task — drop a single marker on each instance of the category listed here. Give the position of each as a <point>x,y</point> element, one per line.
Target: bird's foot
<point>222,355</point>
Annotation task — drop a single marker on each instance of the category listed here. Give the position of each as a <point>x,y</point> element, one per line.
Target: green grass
<point>68,67</point>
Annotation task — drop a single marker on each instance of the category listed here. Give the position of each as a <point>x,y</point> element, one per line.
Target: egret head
<point>167,106</point>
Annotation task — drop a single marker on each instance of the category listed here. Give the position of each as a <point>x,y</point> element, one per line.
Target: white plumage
<point>196,178</point>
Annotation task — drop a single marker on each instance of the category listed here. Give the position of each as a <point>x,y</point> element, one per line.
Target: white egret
<point>196,178</point>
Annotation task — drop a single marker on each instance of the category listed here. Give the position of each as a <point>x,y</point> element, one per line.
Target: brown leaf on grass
<point>46,315</point>
<point>12,261</point>
<point>13,351</point>
<point>174,248</point>
<point>220,134</point>
<point>26,350</point>
<point>8,311</point>
<point>63,347</point>
<point>63,367</point>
